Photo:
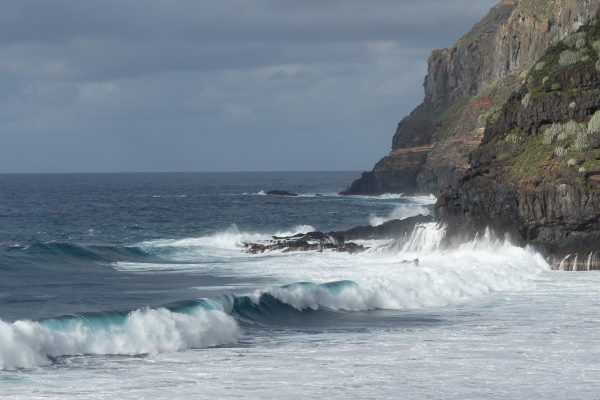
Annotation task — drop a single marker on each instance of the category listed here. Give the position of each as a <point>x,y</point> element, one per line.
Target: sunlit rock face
<point>536,173</point>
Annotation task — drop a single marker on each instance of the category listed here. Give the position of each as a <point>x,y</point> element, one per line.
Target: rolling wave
<point>60,253</point>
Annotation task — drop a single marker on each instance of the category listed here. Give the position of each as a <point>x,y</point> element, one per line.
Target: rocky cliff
<point>465,86</point>
<point>536,172</point>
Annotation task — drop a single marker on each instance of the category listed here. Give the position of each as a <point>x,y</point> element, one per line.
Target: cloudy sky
<point>219,85</point>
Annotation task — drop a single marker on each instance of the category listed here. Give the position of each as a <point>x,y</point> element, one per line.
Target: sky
<point>219,85</point>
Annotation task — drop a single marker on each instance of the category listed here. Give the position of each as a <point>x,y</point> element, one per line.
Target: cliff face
<point>465,86</point>
<point>536,173</point>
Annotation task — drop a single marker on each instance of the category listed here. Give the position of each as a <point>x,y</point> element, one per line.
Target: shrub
<point>572,128</point>
<point>512,138</point>
<point>525,100</point>
<point>580,43</point>
<point>581,141</point>
<point>540,66</point>
<point>575,39</point>
<point>551,133</point>
<point>562,132</point>
<point>582,170</point>
<point>524,74</point>
<point>571,162</point>
<point>596,46</point>
<point>544,80</point>
<point>569,57</point>
<point>562,136</point>
<point>593,127</point>
<point>560,151</point>
<point>556,86</point>
<point>572,105</point>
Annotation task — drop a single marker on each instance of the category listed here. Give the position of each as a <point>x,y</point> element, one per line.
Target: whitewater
<point>167,304</point>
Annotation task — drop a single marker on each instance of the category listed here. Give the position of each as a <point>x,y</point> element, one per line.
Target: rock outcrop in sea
<point>342,241</point>
<point>466,85</point>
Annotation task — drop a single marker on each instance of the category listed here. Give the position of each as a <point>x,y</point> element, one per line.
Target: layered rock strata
<point>466,84</point>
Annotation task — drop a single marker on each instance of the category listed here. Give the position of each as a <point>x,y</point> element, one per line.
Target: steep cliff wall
<point>536,173</point>
<point>465,86</point>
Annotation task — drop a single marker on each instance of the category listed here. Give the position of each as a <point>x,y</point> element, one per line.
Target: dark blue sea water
<point>131,286</point>
<point>59,234</point>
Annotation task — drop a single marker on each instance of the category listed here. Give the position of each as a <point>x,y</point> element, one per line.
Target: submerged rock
<point>281,193</point>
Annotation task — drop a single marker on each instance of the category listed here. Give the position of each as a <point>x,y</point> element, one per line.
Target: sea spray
<point>400,211</point>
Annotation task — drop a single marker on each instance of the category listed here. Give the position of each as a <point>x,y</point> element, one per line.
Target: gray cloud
<point>213,85</point>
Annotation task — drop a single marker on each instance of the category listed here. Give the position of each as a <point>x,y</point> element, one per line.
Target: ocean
<point>134,286</point>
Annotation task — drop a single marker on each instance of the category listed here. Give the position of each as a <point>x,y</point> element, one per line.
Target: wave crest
<point>27,344</point>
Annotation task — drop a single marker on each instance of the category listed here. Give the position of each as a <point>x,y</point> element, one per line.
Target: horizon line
<point>174,172</point>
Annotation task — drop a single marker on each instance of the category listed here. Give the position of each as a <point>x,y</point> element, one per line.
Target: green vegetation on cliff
<point>548,132</point>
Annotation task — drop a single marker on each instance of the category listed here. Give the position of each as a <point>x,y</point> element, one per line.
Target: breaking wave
<point>231,238</point>
<point>27,344</point>
<point>418,272</point>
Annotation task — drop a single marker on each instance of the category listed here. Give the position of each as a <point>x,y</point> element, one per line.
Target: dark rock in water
<point>415,261</point>
<point>301,244</point>
<point>339,240</point>
<point>318,195</point>
<point>281,193</point>
<point>394,229</point>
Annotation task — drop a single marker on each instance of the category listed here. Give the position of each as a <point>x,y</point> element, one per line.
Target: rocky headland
<point>466,85</point>
<point>508,134</point>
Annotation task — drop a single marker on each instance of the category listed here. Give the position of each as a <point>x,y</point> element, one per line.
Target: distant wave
<point>259,193</point>
<point>185,254</point>
<point>60,253</point>
<point>231,238</point>
<point>425,199</point>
